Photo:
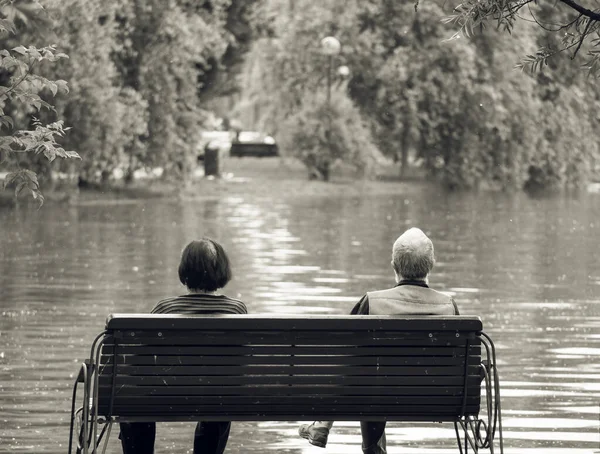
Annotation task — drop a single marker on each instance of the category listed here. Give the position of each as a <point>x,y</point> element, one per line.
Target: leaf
<point>38,195</point>
<point>72,154</point>
<point>20,186</point>
<point>49,152</point>
<point>21,50</point>
<point>9,62</point>
<point>53,87</point>
<point>8,121</point>
<point>9,178</point>
<point>62,85</point>
<point>34,52</point>
<point>31,175</point>
<point>7,25</point>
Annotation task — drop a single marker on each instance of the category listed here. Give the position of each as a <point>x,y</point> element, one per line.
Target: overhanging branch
<point>581,10</point>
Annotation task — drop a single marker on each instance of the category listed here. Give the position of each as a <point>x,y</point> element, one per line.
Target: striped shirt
<point>200,303</point>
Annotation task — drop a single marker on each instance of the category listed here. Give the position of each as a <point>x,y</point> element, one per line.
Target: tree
<point>321,134</point>
<point>458,105</point>
<point>108,119</point>
<point>286,82</point>
<point>138,72</point>
<point>452,103</point>
<point>21,89</point>
<point>575,24</point>
<point>170,53</point>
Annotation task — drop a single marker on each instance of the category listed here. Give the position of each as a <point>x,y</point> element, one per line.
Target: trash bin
<point>211,161</point>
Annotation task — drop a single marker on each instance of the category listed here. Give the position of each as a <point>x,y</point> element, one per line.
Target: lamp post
<point>330,46</point>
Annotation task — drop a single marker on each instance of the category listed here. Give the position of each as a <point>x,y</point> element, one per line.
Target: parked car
<point>253,143</point>
<point>240,144</point>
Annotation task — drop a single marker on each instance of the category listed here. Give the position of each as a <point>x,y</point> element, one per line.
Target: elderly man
<point>412,261</point>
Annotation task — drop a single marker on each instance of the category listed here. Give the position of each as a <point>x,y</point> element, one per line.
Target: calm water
<point>529,267</point>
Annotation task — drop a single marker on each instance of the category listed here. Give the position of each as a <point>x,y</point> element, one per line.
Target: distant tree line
<point>441,93</point>
<point>137,71</point>
<point>445,91</point>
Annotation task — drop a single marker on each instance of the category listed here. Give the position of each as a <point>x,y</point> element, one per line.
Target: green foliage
<point>138,72</point>
<point>557,121</point>
<point>21,98</point>
<point>535,61</point>
<point>41,140</point>
<point>167,48</point>
<point>575,26</point>
<point>109,119</point>
<point>287,81</point>
<point>320,136</point>
<point>455,101</point>
<point>142,72</point>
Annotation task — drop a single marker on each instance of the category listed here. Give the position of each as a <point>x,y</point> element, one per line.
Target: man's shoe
<point>315,435</point>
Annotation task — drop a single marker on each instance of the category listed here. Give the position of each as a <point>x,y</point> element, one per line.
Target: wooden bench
<point>288,368</point>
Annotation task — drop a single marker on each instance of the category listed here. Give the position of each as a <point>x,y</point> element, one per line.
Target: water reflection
<point>528,267</point>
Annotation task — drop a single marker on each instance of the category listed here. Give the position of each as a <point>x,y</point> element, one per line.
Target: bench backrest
<point>263,367</point>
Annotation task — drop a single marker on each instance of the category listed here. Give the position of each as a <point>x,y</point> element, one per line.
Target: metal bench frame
<point>302,367</point>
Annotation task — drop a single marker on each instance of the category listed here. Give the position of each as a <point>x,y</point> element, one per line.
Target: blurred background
<point>305,136</point>
<point>374,86</point>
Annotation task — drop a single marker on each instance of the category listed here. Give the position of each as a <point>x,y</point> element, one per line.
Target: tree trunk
<point>404,145</point>
<point>403,162</point>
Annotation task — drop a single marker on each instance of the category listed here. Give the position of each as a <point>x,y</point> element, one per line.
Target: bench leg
<point>105,430</point>
<point>73,417</point>
<point>79,416</point>
<point>492,395</point>
<point>468,439</point>
<point>107,437</point>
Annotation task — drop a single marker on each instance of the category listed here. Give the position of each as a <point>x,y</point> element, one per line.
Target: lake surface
<point>529,267</point>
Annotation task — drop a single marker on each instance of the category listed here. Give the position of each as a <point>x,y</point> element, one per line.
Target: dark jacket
<point>406,298</point>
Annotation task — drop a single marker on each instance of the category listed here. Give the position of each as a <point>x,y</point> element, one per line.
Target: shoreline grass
<point>257,177</point>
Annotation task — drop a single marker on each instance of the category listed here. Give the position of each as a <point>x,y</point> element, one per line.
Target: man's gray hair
<point>412,255</point>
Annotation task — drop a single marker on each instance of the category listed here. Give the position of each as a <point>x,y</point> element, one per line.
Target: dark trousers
<point>209,437</point>
<point>373,437</point>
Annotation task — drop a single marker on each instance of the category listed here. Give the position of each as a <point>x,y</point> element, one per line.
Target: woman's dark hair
<point>204,266</point>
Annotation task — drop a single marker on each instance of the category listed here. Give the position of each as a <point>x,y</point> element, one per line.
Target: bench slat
<point>170,360</point>
<point>284,390</point>
<point>292,322</point>
<point>285,350</point>
<point>268,400</point>
<point>401,338</point>
<point>295,416</point>
<point>372,371</point>
<point>441,380</point>
<point>226,412</point>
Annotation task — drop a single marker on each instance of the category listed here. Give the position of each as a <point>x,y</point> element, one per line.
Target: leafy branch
<point>472,14</point>
<point>25,88</point>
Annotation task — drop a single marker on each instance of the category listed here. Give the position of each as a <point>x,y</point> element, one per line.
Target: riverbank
<point>260,177</point>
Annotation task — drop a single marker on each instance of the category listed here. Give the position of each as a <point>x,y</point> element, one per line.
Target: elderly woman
<point>204,268</point>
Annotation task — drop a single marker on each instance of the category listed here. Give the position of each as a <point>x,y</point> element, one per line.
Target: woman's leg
<point>211,437</point>
<point>137,437</point>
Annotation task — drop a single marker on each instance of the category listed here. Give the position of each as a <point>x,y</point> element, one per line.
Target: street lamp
<point>331,47</point>
<point>343,71</point>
